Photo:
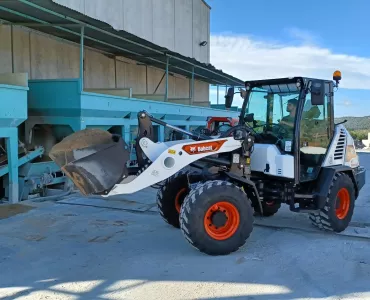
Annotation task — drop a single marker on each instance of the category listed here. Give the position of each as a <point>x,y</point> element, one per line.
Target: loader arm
<point>97,161</point>
<point>169,159</point>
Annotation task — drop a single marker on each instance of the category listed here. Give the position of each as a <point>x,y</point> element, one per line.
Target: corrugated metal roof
<point>54,19</point>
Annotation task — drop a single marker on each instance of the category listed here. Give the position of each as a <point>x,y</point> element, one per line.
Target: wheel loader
<point>285,149</point>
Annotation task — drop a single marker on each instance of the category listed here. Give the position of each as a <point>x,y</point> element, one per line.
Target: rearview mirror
<point>229,97</point>
<point>317,92</point>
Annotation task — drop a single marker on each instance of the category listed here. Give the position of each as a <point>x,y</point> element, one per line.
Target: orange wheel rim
<point>179,199</point>
<point>221,221</point>
<point>343,203</point>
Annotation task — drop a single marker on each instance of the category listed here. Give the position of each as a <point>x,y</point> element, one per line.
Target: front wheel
<point>216,218</point>
<point>340,202</point>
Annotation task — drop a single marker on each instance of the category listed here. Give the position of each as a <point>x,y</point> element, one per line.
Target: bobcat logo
<point>204,147</point>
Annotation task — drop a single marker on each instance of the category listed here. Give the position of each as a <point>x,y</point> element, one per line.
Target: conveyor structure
<point>22,171</point>
<point>62,107</point>
<point>40,113</point>
<point>58,107</point>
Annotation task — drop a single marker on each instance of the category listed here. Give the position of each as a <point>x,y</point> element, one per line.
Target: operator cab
<point>292,122</point>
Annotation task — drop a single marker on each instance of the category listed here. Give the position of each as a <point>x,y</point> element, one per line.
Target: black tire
<point>175,186</point>
<point>269,208</point>
<point>328,219</point>
<point>194,211</point>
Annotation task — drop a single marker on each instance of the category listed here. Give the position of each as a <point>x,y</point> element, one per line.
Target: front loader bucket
<point>93,159</point>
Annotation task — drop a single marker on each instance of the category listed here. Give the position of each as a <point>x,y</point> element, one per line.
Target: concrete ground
<point>121,249</point>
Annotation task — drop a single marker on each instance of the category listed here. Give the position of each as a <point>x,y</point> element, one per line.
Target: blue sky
<point>270,38</point>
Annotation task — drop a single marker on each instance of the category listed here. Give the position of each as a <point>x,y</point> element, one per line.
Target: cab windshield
<point>274,109</point>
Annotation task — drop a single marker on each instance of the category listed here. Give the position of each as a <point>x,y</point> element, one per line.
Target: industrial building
<point>66,65</point>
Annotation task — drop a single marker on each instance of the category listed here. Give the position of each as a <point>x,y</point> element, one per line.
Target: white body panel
<point>342,150</point>
<point>169,158</point>
<point>336,152</point>
<point>280,165</point>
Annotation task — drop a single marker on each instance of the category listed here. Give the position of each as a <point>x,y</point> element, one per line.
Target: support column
<point>218,93</point>
<point>82,57</point>
<point>12,152</point>
<point>161,133</point>
<point>192,87</point>
<point>127,134</point>
<point>225,94</point>
<point>166,87</point>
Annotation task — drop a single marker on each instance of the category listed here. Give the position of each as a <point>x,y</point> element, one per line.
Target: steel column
<point>127,134</point>
<point>166,88</point>
<point>218,91</point>
<point>161,133</point>
<point>82,57</point>
<point>11,136</point>
<point>192,87</point>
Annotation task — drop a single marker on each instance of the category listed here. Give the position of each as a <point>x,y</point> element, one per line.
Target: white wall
<point>46,57</point>
<point>179,25</point>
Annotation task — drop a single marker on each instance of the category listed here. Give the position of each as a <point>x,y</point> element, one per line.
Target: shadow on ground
<point>75,252</point>
<point>79,252</point>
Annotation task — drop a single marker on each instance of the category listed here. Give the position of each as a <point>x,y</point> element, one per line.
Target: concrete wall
<point>46,57</point>
<point>179,25</point>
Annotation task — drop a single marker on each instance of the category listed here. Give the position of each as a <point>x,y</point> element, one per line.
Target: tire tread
<point>322,218</point>
<point>190,204</point>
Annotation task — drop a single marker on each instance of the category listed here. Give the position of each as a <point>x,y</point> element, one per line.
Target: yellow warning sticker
<point>171,151</point>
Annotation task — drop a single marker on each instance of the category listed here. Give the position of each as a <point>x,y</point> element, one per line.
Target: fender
<point>325,179</point>
<point>250,188</point>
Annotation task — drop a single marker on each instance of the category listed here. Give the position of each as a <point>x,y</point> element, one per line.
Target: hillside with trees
<point>355,123</point>
<point>359,127</point>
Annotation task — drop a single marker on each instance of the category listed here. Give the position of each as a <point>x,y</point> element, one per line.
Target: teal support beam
<point>127,134</point>
<point>161,133</point>
<point>4,170</point>
<point>82,57</point>
<point>11,136</point>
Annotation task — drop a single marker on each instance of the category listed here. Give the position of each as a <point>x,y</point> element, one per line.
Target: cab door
<point>316,132</point>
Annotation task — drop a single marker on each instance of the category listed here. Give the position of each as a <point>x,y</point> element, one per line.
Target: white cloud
<point>345,102</point>
<point>249,58</point>
<point>302,36</point>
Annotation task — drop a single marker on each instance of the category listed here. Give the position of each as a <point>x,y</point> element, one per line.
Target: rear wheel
<point>171,195</point>
<point>340,202</point>
<point>216,217</point>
